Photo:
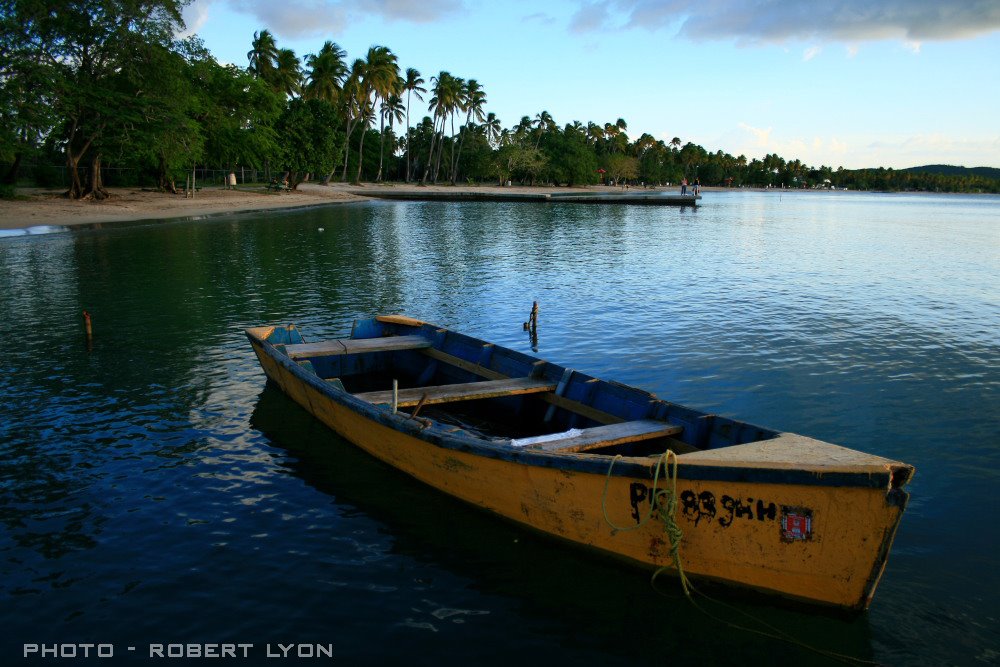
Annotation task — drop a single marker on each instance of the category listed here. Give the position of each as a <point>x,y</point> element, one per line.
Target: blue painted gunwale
<point>584,463</point>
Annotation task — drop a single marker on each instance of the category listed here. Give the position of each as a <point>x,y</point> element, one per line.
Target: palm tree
<point>351,106</point>
<point>543,123</point>
<point>380,78</point>
<point>595,133</point>
<point>326,74</point>
<point>473,99</point>
<point>493,129</point>
<point>287,74</point>
<point>442,99</point>
<point>392,110</point>
<point>262,55</point>
<point>413,84</point>
<point>675,142</point>
<point>325,79</point>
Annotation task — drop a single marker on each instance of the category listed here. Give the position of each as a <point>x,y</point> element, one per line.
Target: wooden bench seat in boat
<point>605,436</point>
<point>465,391</point>
<point>328,348</point>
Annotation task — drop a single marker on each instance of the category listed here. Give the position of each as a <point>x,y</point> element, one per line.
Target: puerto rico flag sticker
<point>796,524</point>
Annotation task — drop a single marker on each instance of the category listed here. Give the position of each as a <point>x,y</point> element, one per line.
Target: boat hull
<point>766,528</point>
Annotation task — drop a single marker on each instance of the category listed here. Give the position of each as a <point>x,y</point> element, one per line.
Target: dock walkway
<point>640,198</point>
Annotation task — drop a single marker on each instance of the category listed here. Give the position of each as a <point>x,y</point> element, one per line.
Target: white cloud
<point>194,16</point>
<point>761,137</point>
<point>811,53</point>
<point>756,21</point>
<point>304,18</point>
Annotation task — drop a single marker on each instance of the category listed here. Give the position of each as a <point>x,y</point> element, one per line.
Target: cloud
<point>766,21</point>
<point>591,17</point>
<point>539,17</point>
<point>304,18</point>
<point>811,53</point>
<point>761,137</point>
<point>194,16</point>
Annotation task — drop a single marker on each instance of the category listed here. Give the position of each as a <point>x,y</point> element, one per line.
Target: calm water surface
<point>152,490</point>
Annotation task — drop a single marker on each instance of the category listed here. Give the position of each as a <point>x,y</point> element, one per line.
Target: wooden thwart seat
<point>611,434</point>
<point>328,348</point>
<point>465,391</point>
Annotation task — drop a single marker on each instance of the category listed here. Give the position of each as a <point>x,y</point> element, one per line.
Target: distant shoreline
<point>48,208</point>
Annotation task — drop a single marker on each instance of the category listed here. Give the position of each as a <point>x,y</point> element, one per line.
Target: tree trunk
<point>381,148</point>
<point>437,163</point>
<point>75,186</point>
<point>454,161</point>
<point>430,156</point>
<point>10,178</point>
<point>408,136</point>
<point>163,182</point>
<point>347,147</point>
<point>361,156</point>
<point>95,183</point>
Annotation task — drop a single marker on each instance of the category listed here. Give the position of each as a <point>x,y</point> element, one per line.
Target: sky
<point>852,83</point>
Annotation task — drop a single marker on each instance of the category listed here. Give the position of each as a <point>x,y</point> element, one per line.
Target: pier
<point>646,198</point>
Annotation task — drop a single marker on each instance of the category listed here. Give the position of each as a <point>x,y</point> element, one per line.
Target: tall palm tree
<point>493,129</point>
<point>473,101</point>
<point>452,96</point>
<point>326,73</point>
<point>392,111</point>
<point>351,107</point>
<point>413,84</point>
<point>262,55</point>
<point>543,123</point>
<point>380,78</point>
<point>439,103</point>
<point>287,74</point>
<point>595,133</point>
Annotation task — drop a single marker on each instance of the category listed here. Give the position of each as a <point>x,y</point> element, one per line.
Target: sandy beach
<point>39,208</point>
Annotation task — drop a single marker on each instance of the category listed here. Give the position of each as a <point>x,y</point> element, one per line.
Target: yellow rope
<point>663,505</point>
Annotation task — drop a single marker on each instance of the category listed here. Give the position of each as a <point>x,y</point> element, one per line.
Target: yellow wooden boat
<point>579,458</point>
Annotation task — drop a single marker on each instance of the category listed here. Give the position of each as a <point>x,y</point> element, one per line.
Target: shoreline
<point>44,208</point>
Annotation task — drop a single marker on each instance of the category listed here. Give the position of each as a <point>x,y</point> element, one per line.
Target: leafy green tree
<point>310,138</point>
<point>91,47</point>
<point>622,168</point>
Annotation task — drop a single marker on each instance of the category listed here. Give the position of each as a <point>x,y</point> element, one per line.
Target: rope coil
<point>663,506</point>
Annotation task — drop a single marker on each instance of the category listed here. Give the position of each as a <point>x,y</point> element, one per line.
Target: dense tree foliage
<point>102,85</point>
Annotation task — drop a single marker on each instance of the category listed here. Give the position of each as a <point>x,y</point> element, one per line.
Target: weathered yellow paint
<point>840,565</point>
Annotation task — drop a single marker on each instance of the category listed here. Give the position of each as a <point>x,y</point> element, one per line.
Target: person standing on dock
<point>697,187</point>
<point>684,186</point>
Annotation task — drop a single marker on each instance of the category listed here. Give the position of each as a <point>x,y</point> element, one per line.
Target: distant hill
<point>951,170</point>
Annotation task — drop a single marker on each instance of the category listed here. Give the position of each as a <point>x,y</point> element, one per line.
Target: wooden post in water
<point>531,326</point>
<point>88,331</point>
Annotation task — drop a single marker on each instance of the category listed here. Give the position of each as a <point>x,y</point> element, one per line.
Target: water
<point>153,491</point>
